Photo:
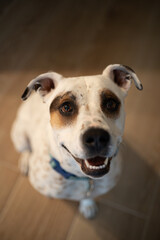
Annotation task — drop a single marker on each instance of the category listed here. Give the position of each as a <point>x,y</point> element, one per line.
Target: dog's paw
<point>88,208</point>
<point>24,163</point>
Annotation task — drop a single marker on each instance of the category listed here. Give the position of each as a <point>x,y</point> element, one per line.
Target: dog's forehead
<point>86,95</point>
<point>88,85</point>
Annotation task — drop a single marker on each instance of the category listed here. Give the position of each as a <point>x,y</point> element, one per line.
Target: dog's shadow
<point>123,211</point>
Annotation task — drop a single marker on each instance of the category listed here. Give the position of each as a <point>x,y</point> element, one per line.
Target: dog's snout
<point>96,140</point>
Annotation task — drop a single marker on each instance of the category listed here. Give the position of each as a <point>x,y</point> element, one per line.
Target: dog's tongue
<point>97,161</point>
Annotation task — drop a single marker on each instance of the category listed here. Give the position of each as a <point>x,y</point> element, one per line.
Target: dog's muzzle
<point>95,144</point>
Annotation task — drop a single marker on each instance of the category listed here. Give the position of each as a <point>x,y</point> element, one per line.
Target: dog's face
<point>87,115</point>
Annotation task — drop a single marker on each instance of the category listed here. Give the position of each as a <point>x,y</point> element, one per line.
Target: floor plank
<point>151,230</point>
<point>36,218</point>
<point>8,178</point>
<point>136,181</point>
<point>106,227</point>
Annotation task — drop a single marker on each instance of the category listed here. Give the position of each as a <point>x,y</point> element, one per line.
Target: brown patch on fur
<point>82,126</point>
<point>99,121</point>
<point>40,188</point>
<point>58,118</point>
<point>87,107</point>
<point>110,104</point>
<point>60,178</point>
<point>46,168</point>
<point>44,175</point>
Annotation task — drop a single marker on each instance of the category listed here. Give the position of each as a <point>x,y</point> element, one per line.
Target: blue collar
<point>67,175</point>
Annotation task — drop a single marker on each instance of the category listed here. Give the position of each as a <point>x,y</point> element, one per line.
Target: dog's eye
<point>66,109</point>
<point>111,105</point>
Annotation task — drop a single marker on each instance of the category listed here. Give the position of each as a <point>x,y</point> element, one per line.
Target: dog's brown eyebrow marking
<point>108,97</point>
<point>87,107</point>
<point>60,99</point>
<point>56,118</point>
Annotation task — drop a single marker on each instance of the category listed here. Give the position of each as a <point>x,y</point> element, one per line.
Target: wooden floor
<point>74,38</point>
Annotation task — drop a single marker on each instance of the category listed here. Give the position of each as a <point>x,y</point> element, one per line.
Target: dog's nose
<point>96,140</point>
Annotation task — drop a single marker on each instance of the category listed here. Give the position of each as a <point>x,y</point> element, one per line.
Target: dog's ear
<point>44,83</point>
<point>122,76</point>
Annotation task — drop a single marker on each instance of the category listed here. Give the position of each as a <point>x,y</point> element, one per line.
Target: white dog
<point>69,133</point>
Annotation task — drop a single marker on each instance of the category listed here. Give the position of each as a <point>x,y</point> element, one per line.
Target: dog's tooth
<point>102,166</point>
<point>96,167</point>
<point>106,161</point>
<point>87,164</point>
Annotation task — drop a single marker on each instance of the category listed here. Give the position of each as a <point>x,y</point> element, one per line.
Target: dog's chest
<point>50,183</point>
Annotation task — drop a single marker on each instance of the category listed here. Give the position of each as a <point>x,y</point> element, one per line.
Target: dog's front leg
<point>88,208</point>
<point>24,162</point>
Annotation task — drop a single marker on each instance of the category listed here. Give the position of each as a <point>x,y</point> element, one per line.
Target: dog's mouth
<point>94,167</point>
